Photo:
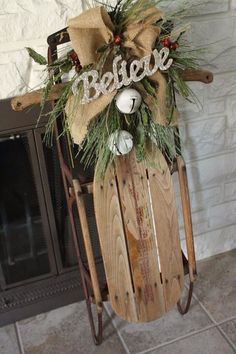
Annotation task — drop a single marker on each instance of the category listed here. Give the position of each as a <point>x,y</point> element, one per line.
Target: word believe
<point>112,81</point>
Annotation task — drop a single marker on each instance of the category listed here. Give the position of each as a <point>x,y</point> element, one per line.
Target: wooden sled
<point>161,289</point>
<point>139,236</point>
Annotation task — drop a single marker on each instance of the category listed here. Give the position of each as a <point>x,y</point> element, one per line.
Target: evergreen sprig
<point>38,58</point>
<point>146,133</point>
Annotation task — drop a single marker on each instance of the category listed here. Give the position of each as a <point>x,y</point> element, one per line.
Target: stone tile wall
<point>208,129</point>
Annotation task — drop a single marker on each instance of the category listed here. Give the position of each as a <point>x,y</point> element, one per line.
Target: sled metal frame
<point>75,191</point>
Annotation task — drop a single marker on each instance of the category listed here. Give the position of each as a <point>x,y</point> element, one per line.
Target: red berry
<point>74,56</point>
<point>117,39</point>
<point>174,46</point>
<point>166,42</point>
<point>75,60</point>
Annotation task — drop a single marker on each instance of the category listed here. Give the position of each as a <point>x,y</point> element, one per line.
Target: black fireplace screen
<point>66,246</point>
<point>23,247</point>
<point>35,234</point>
<point>37,256</point>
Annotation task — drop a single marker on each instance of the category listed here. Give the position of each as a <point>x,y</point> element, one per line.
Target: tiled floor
<point>209,327</point>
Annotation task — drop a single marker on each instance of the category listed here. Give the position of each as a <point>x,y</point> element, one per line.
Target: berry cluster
<point>166,42</point>
<point>117,39</point>
<point>75,60</point>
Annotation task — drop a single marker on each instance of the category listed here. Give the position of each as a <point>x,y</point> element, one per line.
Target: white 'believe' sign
<point>112,81</point>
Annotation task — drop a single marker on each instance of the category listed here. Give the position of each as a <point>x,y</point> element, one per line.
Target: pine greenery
<point>140,125</point>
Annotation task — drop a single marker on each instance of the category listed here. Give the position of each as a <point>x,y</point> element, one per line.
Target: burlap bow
<point>89,32</point>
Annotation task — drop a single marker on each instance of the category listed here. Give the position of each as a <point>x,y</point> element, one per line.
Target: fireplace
<point>38,267</point>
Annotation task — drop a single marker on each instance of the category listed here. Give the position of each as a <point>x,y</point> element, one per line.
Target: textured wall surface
<point>208,129</point>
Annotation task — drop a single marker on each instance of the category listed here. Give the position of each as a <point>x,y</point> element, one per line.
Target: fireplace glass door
<point>24,229</point>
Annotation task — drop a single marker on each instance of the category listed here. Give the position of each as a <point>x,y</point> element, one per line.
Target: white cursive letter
<point>164,53</point>
<point>90,84</point>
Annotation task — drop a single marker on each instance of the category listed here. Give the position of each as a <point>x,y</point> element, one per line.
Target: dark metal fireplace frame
<point>61,285</point>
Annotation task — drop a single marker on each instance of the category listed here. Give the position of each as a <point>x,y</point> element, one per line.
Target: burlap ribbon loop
<point>92,30</point>
<point>141,37</point>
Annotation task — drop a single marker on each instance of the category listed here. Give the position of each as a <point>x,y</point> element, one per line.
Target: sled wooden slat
<point>113,246</point>
<point>166,222</point>
<point>140,235</point>
<point>138,230</point>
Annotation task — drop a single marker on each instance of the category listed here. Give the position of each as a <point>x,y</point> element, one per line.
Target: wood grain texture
<point>113,246</point>
<point>184,193</point>
<point>140,235</point>
<point>167,230</point>
<point>21,102</point>
<point>138,229</point>
<point>87,244</point>
<point>204,76</point>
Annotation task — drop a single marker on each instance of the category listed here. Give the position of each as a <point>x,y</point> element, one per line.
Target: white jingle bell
<point>120,142</point>
<point>128,101</point>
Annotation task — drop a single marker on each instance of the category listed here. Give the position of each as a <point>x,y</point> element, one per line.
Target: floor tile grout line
<point>117,330</point>
<point>19,339</point>
<point>214,324</point>
<point>218,324</point>
<point>227,338</point>
<point>227,320</point>
<point>208,312</point>
<point>178,339</point>
<point>205,310</point>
